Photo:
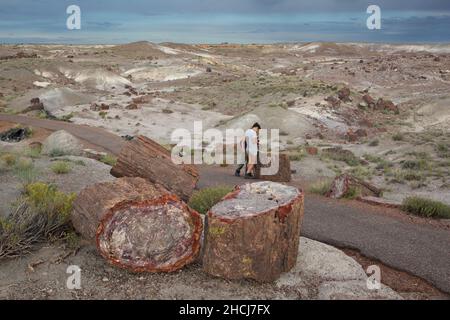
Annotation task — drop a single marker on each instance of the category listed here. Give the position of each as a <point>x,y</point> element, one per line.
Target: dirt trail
<point>419,249</point>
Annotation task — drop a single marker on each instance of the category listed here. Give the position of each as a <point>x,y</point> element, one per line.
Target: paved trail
<point>422,250</point>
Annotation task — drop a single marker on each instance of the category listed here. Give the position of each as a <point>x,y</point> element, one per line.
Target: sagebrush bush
<point>109,160</point>
<point>61,167</point>
<point>41,213</point>
<point>426,208</point>
<point>352,193</point>
<point>205,199</point>
<point>398,137</point>
<point>321,187</point>
<point>54,153</point>
<point>9,159</point>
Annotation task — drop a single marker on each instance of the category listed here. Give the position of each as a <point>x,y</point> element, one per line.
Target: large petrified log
<point>138,225</point>
<point>284,173</point>
<point>143,157</point>
<point>254,232</point>
<point>343,184</point>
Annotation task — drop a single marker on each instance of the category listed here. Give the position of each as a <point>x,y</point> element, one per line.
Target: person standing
<point>250,144</point>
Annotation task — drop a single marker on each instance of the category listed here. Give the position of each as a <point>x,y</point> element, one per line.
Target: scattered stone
<point>312,150</point>
<point>132,106</point>
<point>15,134</point>
<point>344,94</point>
<point>36,105</point>
<point>333,101</point>
<point>387,105</point>
<point>101,107</point>
<point>369,101</point>
<point>290,103</point>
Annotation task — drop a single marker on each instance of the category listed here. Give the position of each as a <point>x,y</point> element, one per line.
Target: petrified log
<point>254,232</point>
<point>137,225</point>
<point>344,183</point>
<point>284,173</point>
<point>143,157</point>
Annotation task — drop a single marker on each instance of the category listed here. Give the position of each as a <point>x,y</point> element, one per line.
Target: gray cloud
<point>224,20</point>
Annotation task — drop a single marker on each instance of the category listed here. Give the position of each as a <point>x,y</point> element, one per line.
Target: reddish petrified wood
<point>284,173</point>
<point>254,232</point>
<point>138,225</point>
<point>143,157</point>
<point>344,183</point>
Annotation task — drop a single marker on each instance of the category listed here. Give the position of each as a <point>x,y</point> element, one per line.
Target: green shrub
<point>42,213</point>
<point>321,187</point>
<point>109,160</point>
<point>67,117</point>
<point>61,167</point>
<point>374,143</point>
<point>443,150</point>
<point>352,193</point>
<point>339,154</point>
<point>9,159</point>
<point>25,171</point>
<point>33,153</point>
<point>426,208</point>
<point>361,172</point>
<point>421,164</point>
<point>54,153</point>
<point>398,137</point>
<point>205,199</point>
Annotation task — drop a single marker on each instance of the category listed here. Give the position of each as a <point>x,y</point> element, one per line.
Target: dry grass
<point>42,213</point>
<point>61,167</point>
<point>426,208</point>
<point>321,187</point>
<point>205,199</point>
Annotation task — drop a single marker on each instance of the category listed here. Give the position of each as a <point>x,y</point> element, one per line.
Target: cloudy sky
<point>216,21</point>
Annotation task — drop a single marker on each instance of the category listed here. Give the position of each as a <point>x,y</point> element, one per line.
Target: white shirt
<point>252,141</point>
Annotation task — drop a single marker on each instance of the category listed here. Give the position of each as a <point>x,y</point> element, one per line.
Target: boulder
<point>387,105</point>
<point>333,101</point>
<point>63,142</point>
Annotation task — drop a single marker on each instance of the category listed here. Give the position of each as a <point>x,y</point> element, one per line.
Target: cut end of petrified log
<point>138,225</point>
<point>159,235</point>
<point>253,199</point>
